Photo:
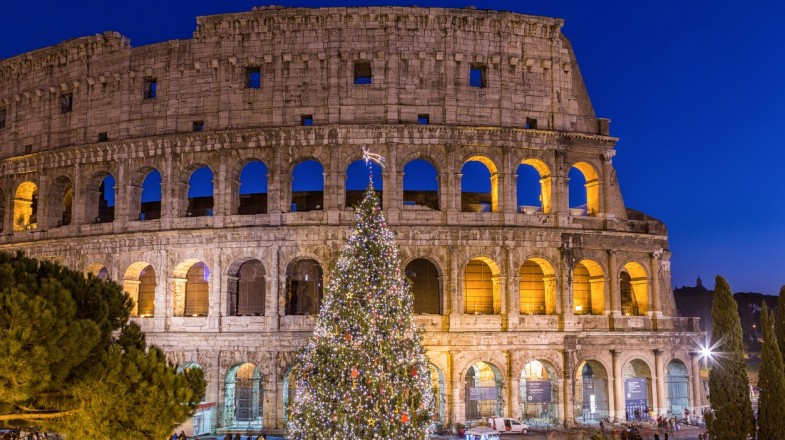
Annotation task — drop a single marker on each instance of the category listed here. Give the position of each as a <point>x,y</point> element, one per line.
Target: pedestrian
<point>602,428</point>
<point>237,436</point>
<point>676,425</point>
<point>228,436</point>
<point>659,424</point>
<point>666,436</point>
<point>700,436</point>
<point>182,436</point>
<point>656,436</point>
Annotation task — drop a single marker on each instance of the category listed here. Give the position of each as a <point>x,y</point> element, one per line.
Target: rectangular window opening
<point>198,126</point>
<point>362,72</point>
<point>306,120</point>
<point>66,102</point>
<point>150,88</point>
<point>423,119</point>
<point>531,123</point>
<point>2,118</point>
<point>103,136</point>
<point>478,75</point>
<point>253,78</point>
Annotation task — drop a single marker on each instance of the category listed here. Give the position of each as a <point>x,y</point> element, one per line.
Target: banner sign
<point>482,393</point>
<point>538,391</point>
<point>635,388</point>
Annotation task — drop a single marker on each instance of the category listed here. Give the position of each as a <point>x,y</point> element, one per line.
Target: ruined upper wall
<point>420,60</point>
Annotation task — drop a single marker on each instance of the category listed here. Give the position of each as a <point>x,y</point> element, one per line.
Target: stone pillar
<point>8,211</point>
<point>615,294</point>
<point>695,376</point>
<point>457,412</point>
<point>221,195</point>
<point>450,201</point>
<point>276,193</point>
<point>274,294</point>
<point>618,386</point>
<point>44,192</point>
<point>178,296</point>
<point>121,214</point>
<point>131,288</point>
<point>659,381</point>
<point>393,188</point>
<point>216,285</point>
<point>79,200</point>
<point>566,384</point>
<point>456,297</point>
<point>654,270</point>
<point>334,182</point>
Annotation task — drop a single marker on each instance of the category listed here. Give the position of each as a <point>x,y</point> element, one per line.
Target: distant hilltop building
<point>212,178</point>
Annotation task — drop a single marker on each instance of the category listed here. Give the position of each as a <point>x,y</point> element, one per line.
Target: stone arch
<point>539,391</point>
<point>543,188</point>
<point>588,202</point>
<point>677,387</point>
<point>357,181</point>
<point>145,194</point>
<point>200,192</point>
<point>537,287</point>
<point>100,198</point>
<point>307,186</point>
<point>634,289</point>
<point>97,270</point>
<point>304,287</point>
<point>481,287</point>
<point>25,206</point>
<point>243,397</point>
<point>191,288</point>
<point>139,283</point>
<point>591,391</point>
<point>247,287</point>
<point>439,392</point>
<point>483,391</point>
<point>473,175</point>
<point>185,366</point>
<point>59,203</point>
<point>421,183</point>
<point>251,190</point>
<point>637,376</point>
<point>426,285</point>
<point>588,288</point>
<point>289,391</point>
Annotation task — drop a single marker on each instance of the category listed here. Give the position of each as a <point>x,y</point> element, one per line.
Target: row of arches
<point>195,195</point>
<point>482,389</point>
<point>247,283</point>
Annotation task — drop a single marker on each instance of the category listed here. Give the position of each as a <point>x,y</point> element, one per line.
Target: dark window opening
<point>106,200</point>
<point>358,174</point>
<point>629,306</point>
<point>200,193</point>
<point>307,187</point>
<point>420,184</point>
<point>253,78</point>
<point>253,189</point>
<point>247,291</point>
<point>103,136</point>
<point>66,102</point>
<point>28,149</point>
<point>531,123</point>
<point>198,126</point>
<point>150,207</point>
<point>478,75</point>
<point>197,290</point>
<point>303,288</point>
<point>425,286</point>
<point>2,118</point>
<point>423,119</point>
<point>306,120</point>
<point>362,72</point>
<point>150,88</point>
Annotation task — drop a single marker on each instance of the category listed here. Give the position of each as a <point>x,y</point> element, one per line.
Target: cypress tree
<point>771,407</point>
<point>780,325</point>
<point>731,417</point>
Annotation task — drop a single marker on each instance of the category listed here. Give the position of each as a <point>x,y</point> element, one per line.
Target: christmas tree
<point>364,373</point>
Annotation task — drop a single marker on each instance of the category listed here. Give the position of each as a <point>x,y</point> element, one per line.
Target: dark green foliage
<point>771,381</point>
<point>62,369</point>
<point>780,326</point>
<point>728,384</point>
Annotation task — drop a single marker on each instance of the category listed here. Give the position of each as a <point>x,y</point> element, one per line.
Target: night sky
<point>695,90</point>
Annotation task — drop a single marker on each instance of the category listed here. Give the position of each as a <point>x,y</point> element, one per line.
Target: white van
<point>506,424</point>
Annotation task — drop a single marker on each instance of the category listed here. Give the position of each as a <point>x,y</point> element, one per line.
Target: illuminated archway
<point>586,200</point>
<point>537,285</point>
<point>634,289</point>
<point>677,384</point>
<point>637,389</point>
<point>97,270</point>
<point>591,391</point>
<point>26,207</point>
<point>479,185</point>
<point>139,284</point>
<point>191,288</point>
<point>588,288</point>
<point>483,391</point>
<point>539,392</point>
<point>534,187</point>
<point>481,290</point>
<point>243,397</point>
<point>437,386</point>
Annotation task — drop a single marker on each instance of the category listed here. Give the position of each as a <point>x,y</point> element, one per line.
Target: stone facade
<point>94,107</point>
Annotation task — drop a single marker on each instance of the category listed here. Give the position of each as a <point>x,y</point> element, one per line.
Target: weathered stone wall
<point>420,60</point>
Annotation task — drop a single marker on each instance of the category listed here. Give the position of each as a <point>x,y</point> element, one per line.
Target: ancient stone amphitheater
<point>212,178</point>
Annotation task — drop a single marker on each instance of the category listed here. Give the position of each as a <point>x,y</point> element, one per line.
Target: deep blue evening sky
<point>695,90</point>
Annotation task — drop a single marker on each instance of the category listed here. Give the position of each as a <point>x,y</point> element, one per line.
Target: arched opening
<point>205,415</point>
<point>97,270</point>
<point>197,290</point>
<point>634,289</point>
<point>150,201</point>
<point>200,193</point>
<point>106,200</point>
<point>481,291</point>
<point>584,188</point>
<point>479,185</point>
<point>253,189</point>
<point>243,397</point>
<point>289,392</point>
<point>537,285</point>
<point>307,186</point>
<point>588,288</point>
<point>437,386</point>
<point>637,390</point>
<point>139,284</point>
<point>534,187</point>
<point>539,392</point>
<point>677,382</point>
<point>357,174</point>
<point>60,202</point>
<point>303,287</point>
<point>425,286</point>
<point>420,184</point>
<point>26,207</point>
<point>247,287</point>
<point>483,388</point>
<point>591,391</point>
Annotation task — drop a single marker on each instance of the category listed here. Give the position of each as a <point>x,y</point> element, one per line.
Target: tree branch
<point>38,416</point>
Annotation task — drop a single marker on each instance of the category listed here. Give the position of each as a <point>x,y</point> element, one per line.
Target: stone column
<point>44,193</point>
<point>654,269</point>
<point>659,381</point>
<point>615,294</point>
<point>221,195</point>
<point>618,386</point>
<point>275,192</point>
<point>131,288</point>
<point>695,376</point>
<point>566,384</point>
<point>450,201</point>
<point>178,296</point>
<point>393,188</point>
<point>274,294</point>
<point>79,201</point>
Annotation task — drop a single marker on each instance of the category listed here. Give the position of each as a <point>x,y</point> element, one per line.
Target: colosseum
<point>213,178</point>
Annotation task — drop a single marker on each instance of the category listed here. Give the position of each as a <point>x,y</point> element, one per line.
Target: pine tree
<point>364,373</point>
<point>780,323</point>
<point>771,381</point>
<point>729,394</point>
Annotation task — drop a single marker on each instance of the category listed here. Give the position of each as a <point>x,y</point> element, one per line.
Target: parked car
<point>506,424</point>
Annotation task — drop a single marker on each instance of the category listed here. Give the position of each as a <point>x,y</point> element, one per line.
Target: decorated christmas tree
<point>364,373</point>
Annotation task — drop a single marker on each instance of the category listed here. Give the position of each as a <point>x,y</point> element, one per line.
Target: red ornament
<point>355,373</point>
<point>414,371</point>
<point>405,418</point>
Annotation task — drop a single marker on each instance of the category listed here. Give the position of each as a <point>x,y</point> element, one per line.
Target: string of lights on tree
<point>364,373</point>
